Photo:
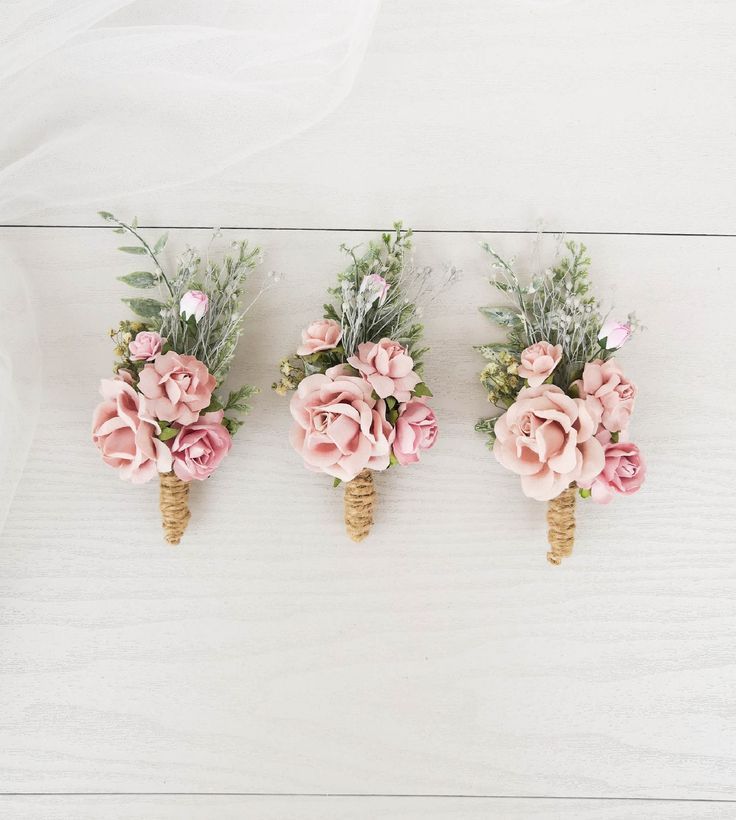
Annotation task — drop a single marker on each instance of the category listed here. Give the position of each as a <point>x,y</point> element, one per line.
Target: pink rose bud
<point>322,335</point>
<point>194,303</point>
<point>538,361</point>
<point>614,334</point>
<point>146,346</point>
<point>378,286</point>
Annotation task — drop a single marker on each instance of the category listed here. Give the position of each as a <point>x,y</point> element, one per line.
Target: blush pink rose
<point>178,387</point>
<point>199,448</point>
<point>339,428</point>
<point>548,439</point>
<point>416,430</point>
<point>322,335</point>
<point>388,368</point>
<point>125,433</point>
<point>146,346</point>
<point>605,383</point>
<point>623,472</point>
<point>538,361</point>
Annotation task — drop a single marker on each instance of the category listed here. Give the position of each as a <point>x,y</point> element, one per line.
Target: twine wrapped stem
<point>561,525</point>
<point>173,498</point>
<point>360,496</point>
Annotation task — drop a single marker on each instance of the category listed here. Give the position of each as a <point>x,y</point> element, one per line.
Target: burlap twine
<point>360,496</point>
<point>173,497</point>
<point>561,525</point>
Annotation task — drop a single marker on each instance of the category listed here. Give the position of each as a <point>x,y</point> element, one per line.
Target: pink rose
<point>416,429</point>
<point>194,303</point>
<point>339,428</point>
<point>388,368</point>
<point>548,439</point>
<point>322,335</point>
<point>179,387</point>
<point>146,346</point>
<point>609,393</point>
<point>199,448</point>
<point>538,361</point>
<point>615,334</point>
<point>623,472</point>
<point>125,433</point>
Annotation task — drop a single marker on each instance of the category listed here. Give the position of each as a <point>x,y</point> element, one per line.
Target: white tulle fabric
<point>105,98</point>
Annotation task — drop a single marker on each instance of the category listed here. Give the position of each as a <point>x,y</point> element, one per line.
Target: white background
<point>441,668</point>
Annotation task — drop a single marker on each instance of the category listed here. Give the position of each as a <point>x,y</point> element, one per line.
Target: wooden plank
<point>236,807</point>
<point>589,116</point>
<point>268,654</point>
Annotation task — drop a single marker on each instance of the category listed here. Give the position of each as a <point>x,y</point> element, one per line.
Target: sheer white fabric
<point>104,98</point>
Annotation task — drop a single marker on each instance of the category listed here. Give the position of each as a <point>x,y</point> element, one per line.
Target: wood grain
<point>301,807</point>
<point>441,656</point>
<point>492,115</point>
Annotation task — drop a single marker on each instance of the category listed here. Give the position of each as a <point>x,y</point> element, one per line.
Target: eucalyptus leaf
<point>139,279</point>
<point>502,316</point>
<point>137,249</point>
<point>160,243</point>
<point>146,308</point>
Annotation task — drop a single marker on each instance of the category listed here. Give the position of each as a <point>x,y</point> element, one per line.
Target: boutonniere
<point>360,403</point>
<point>163,412</point>
<point>566,402</point>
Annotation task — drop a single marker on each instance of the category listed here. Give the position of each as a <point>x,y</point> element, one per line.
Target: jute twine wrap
<point>360,496</point>
<point>175,515</point>
<point>561,525</point>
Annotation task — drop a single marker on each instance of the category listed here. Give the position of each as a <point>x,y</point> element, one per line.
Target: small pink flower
<point>194,303</point>
<point>339,429</point>
<point>608,393</point>
<point>416,429</point>
<point>146,346</point>
<point>624,472</point>
<point>178,387</point>
<point>378,286</point>
<point>322,335</point>
<point>615,334</point>
<point>199,448</point>
<point>387,367</point>
<point>538,361</point>
<point>548,439</point>
<point>125,433</point>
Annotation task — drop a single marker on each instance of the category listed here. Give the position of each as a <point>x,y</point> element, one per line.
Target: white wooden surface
<point>443,656</point>
<point>597,116</point>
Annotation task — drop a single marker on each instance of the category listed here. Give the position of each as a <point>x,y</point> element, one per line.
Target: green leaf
<point>337,482</point>
<point>391,402</point>
<point>146,308</point>
<point>139,279</point>
<point>584,493</point>
<point>167,433</point>
<point>501,316</point>
<point>161,243</point>
<point>486,425</point>
<point>392,459</point>
<point>133,249</point>
<point>422,390</point>
<point>615,437</point>
<point>214,405</point>
<point>106,215</point>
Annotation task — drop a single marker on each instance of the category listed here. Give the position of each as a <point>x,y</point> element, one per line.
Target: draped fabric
<point>105,98</point>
